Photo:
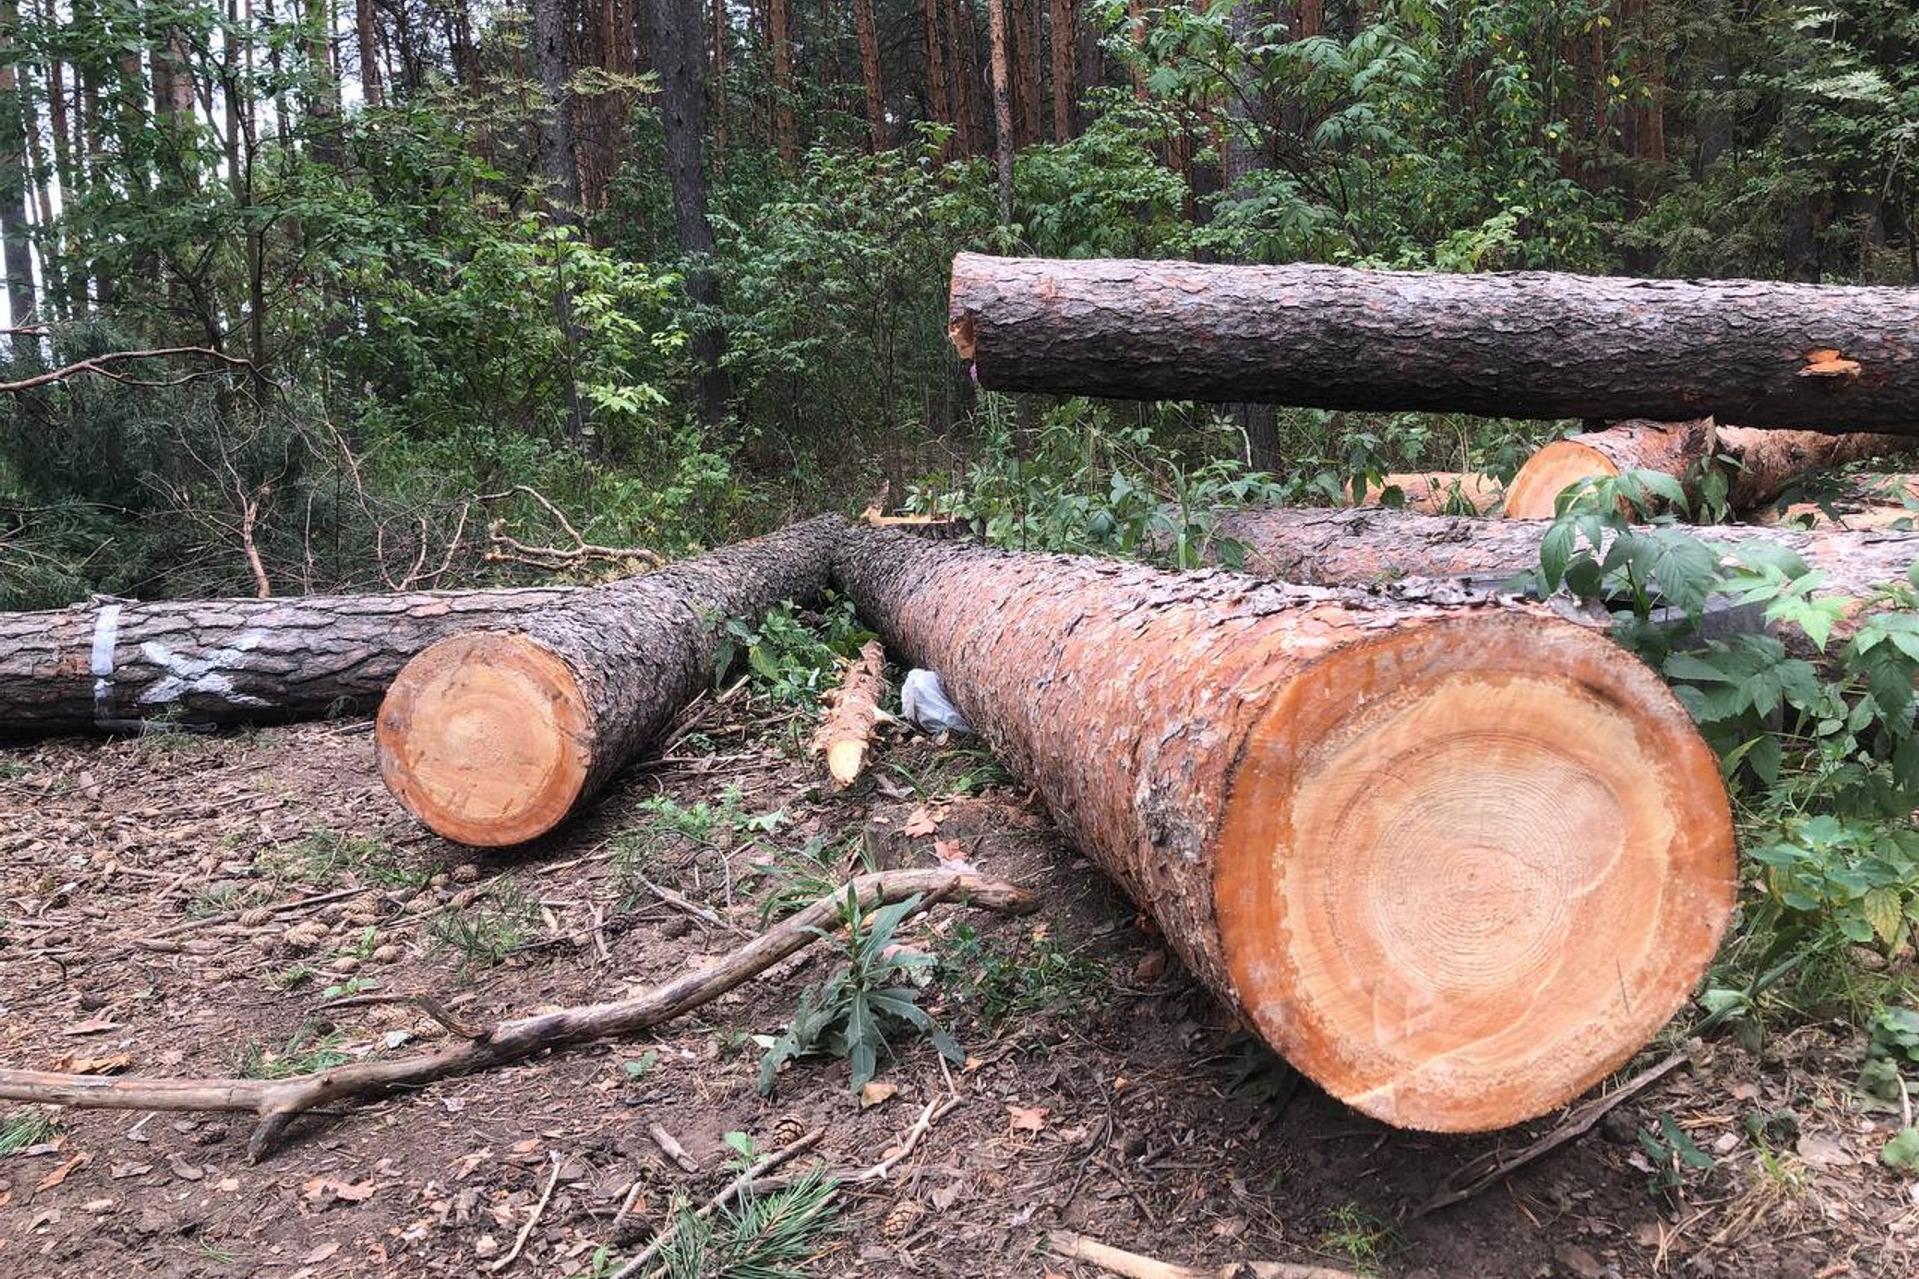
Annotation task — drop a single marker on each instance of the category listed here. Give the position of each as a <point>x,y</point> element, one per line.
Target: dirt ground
<point>1103,1092</point>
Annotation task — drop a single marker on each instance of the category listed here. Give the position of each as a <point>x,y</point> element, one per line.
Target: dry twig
<point>1133,1265</point>
<point>539,1210</point>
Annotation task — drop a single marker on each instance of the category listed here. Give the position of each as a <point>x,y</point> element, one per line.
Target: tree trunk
<point>119,664</point>
<point>786,136</point>
<point>679,54</point>
<point>939,104</point>
<point>1065,19</point>
<point>1437,492</point>
<point>370,82</point>
<point>15,229</point>
<point>1336,548</point>
<point>1758,465</point>
<point>962,65</point>
<point>1520,344</point>
<point>1026,78</point>
<point>1002,107</point>
<point>869,35</point>
<point>1456,865</point>
<point>1862,503</point>
<point>722,35</point>
<point>492,737</point>
<point>559,166</point>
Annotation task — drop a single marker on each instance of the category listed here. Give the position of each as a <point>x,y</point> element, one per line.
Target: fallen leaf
<point>1822,1150</point>
<point>527,1146</point>
<point>91,1026</point>
<point>1026,1118</point>
<point>59,1174</point>
<point>923,820</point>
<point>227,1185</point>
<point>323,1192</point>
<point>464,1168</point>
<point>184,1170</point>
<point>120,1172</point>
<point>873,1092</point>
<point>1151,967</point>
<point>322,1253</point>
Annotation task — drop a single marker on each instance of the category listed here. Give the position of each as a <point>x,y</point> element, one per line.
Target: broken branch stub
<point>1455,864</point>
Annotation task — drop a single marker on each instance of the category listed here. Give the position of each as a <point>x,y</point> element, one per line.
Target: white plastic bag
<point>924,705</point>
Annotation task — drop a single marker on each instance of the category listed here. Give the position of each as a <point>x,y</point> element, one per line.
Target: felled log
<point>1758,465</point>
<point>119,665</point>
<point>1509,344</point>
<point>1455,864</point>
<point>1376,546</point>
<point>1436,492</point>
<point>853,716</point>
<point>491,737</point>
<point>1862,502</point>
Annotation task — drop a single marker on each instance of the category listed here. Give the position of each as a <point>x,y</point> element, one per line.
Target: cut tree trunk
<point>853,716</point>
<point>1454,864</point>
<point>1518,344</point>
<point>1758,465</point>
<point>122,665</point>
<point>1437,492</point>
<point>1367,547</point>
<point>1861,502</point>
<point>492,737</point>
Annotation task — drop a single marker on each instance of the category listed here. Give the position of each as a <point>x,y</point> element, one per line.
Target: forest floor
<point>1103,1091</point>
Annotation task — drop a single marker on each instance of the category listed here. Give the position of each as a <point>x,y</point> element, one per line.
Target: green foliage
<point>789,661</point>
<point>768,1236</point>
<point>998,983</point>
<point>850,1014</point>
<point>25,1128</point>
<point>323,857</point>
<point>485,935</point>
<point>1673,1156</point>
<point>306,1051</point>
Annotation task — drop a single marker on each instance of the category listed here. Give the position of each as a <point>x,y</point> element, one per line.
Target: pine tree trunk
<point>1518,344</point>
<point>1421,851</point>
<point>493,737</point>
<point>938,98</point>
<point>1758,465</point>
<point>962,64</point>
<point>1025,86</point>
<point>121,664</point>
<point>15,228</point>
<point>869,36</point>
<point>370,82</point>
<point>1002,107</point>
<point>1065,19</point>
<point>679,56</point>
<point>786,137</point>
<point>722,35</point>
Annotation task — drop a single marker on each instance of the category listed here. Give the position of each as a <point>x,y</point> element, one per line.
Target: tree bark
<point>122,664</point>
<point>492,737</point>
<point>1758,465</point>
<point>1026,76</point>
<point>15,228</point>
<point>1065,18</point>
<point>1519,344</point>
<point>962,65</point>
<point>680,59</point>
<point>1335,548</point>
<point>1456,865</point>
<point>939,104</point>
<point>786,136</point>
<point>1002,107</point>
<point>869,36</point>
<point>1437,492</point>
<point>559,165</point>
<point>370,82</point>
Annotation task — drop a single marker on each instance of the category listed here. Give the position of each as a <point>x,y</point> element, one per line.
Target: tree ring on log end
<point>1547,473</point>
<point>1468,868</point>
<point>483,736</point>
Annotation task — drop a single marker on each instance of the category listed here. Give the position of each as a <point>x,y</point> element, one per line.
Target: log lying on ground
<point>1437,492</point>
<point>1454,864</point>
<point>492,737</point>
<point>277,1102</point>
<point>853,716</point>
<point>1758,465</point>
<point>1519,344</point>
<point>1376,546</point>
<point>1860,502</point>
<point>121,664</point>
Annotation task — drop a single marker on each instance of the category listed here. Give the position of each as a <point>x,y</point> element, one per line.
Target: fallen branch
<point>98,364</point>
<point>1064,1243</point>
<point>278,1102</point>
<point>853,716</point>
<point>732,1188</point>
<point>539,1210</point>
<point>504,547</point>
<point>935,1111</point>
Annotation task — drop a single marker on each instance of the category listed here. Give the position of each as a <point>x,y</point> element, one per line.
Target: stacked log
<point>492,737</point>
<point>1507,344</point>
<point>1436,492</point>
<point>123,665</point>
<point>1758,465</point>
<point>1454,864</point>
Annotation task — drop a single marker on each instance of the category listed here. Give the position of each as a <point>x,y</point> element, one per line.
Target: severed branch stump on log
<point>1456,865</point>
<point>278,1102</point>
<point>853,716</point>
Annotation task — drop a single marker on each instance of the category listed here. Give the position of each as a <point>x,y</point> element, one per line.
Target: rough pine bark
<point>122,664</point>
<point>370,82</point>
<point>1002,107</point>
<point>1758,465</point>
<point>679,54</point>
<point>938,96</point>
<point>786,135</point>
<point>1025,84</point>
<point>1455,864</point>
<point>492,737</point>
<point>1065,21</point>
<point>1510,344</point>
<point>962,65</point>
<point>15,230</point>
<point>869,37</point>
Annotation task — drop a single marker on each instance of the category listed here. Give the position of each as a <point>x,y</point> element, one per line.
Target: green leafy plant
<point>1672,1155</point>
<point>25,1128</point>
<point>849,1015</point>
<point>769,1236</point>
<point>305,1051</point>
<point>484,935</point>
<point>998,982</point>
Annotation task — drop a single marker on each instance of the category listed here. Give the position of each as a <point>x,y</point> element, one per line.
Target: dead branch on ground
<point>1133,1265</point>
<point>277,1102</point>
<point>502,547</point>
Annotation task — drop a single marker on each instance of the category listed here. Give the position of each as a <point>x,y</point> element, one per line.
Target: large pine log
<point>1758,465</point>
<point>492,737</point>
<point>122,664</point>
<point>1436,492</point>
<point>1376,546</point>
<point>1454,864</point>
<point>1859,502</point>
<point>1518,344</point>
